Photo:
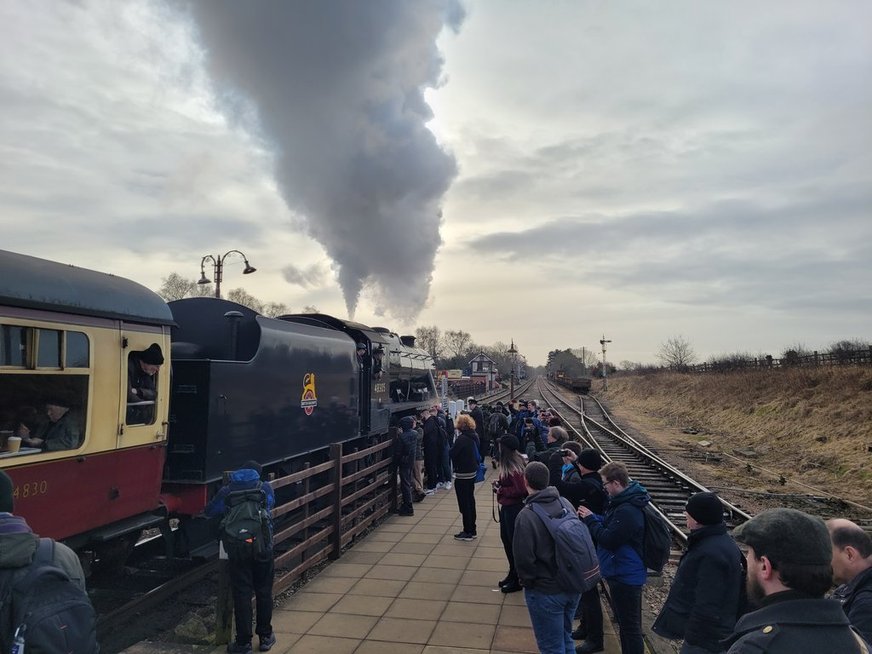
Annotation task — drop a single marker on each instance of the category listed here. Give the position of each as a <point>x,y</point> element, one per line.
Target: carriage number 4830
<point>30,489</point>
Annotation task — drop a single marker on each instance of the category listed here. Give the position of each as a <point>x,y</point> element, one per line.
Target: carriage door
<point>143,410</point>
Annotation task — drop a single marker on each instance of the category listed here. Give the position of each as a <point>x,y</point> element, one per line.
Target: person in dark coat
<point>789,570</point>
<point>704,600</point>
<point>404,457</point>
<point>63,431</point>
<point>584,487</point>
<point>618,536</point>
<point>432,452</point>
<point>477,415</point>
<point>142,369</point>
<point>249,576</point>
<point>465,461</point>
<point>550,607</point>
<point>852,568</point>
<point>511,491</point>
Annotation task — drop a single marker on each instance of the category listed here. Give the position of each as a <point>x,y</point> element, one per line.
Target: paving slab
<point>410,588</point>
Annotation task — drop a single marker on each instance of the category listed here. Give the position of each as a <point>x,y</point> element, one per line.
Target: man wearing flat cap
<point>705,596</point>
<point>141,370</point>
<point>789,570</point>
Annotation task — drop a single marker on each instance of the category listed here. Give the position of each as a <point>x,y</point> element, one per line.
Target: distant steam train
<point>236,385</point>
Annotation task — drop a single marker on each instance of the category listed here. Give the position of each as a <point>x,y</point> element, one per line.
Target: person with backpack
<point>246,528</point>
<point>40,578</point>
<point>552,585</point>
<point>619,535</point>
<point>575,474</point>
<point>705,597</point>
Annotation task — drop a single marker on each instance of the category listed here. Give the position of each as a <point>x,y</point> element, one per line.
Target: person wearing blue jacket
<point>618,536</point>
<point>249,576</point>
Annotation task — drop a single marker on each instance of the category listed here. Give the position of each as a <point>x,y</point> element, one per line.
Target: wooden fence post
<point>224,600</point>
<point>336,537</point>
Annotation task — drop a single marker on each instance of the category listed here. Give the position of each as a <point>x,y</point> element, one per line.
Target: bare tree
<point>275,309</point>
<point>310,308</point>
<point>429,339</point>
<point>243,297</point>
<point>586,355</point>
<point>676,352</point>
<point>176,287</point>
<point>457,342</point>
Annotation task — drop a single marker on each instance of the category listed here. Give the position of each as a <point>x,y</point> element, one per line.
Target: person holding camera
<point>511,491</point>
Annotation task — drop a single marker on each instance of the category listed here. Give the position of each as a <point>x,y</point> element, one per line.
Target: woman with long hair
<point>511,491</point>
<point>465,468</point>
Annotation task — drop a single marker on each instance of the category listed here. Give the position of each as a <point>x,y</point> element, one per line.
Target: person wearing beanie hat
<point>250,574</point>
<point>142,368</point>
<point>789,563</point>
<point>706,595</point>
<point>510,492</point>
<point>704,509</point>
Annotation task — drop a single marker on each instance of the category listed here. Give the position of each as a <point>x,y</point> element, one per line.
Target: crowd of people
<point>762,588</point>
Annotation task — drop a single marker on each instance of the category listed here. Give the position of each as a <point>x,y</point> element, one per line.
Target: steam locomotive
<point>236,386</point>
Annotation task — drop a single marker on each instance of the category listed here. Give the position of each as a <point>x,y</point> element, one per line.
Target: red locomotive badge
<point>310,399</point>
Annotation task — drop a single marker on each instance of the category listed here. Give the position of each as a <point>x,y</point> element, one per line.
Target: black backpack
<point>657,540</point>
<point>245,530</point>
<point>577,562</point>
<point>43,607</point>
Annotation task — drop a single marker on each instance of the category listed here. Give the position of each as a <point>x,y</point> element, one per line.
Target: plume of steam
<point>305,277</point>
<point>338,86</point>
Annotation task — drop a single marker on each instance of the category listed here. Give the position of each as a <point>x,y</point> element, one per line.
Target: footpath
<point>410,588</point>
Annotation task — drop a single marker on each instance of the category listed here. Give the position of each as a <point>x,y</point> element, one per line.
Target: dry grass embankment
<point>812,425</point>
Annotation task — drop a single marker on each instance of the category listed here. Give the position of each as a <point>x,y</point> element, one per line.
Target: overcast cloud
<point>631,169</point>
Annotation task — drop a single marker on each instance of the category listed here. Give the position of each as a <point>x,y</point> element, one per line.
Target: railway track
<point>669,487</point>
<point>601,432</point>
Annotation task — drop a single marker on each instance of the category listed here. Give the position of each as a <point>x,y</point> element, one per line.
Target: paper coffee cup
<point>14,443</point>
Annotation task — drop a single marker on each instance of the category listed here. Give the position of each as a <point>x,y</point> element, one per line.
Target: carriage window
<point>46,410</point>
<point>49,352</point>
<point>13,346</point>
<point>78,354</point>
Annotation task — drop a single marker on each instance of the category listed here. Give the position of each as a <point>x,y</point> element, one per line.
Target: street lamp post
<point>218,269</point>
<point>603,342</point>
<point>513,352</point>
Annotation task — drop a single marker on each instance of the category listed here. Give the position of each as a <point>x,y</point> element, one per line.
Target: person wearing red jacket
<point>511,491</point>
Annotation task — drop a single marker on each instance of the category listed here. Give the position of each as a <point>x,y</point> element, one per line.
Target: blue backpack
<point>41,608</point>
<point>577,563</point>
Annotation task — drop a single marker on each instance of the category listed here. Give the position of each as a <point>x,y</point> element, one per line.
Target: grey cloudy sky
<point>542,170</point>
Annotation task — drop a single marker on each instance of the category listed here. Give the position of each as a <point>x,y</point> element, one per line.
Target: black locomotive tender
<point>240,384</point>
<point>279,390</point>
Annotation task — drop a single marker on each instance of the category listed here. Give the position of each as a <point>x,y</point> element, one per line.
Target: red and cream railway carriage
<point>67,332</point>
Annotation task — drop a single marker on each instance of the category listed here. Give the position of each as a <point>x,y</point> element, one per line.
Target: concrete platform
<point>410,588</point>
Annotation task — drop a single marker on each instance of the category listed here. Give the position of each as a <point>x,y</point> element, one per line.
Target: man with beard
<point>789,570</point>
